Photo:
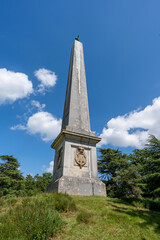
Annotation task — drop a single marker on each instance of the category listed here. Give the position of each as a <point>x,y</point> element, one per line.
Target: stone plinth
<point>78,186</point>
<point>68,176</point>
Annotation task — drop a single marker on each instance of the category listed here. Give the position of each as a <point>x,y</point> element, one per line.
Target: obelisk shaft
<point>76,111</point>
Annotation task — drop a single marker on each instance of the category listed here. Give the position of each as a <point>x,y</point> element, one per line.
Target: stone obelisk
<point>75,162</point>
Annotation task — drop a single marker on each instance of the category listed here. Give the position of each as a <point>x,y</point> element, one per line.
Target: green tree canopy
<point>11,179</point>
<point>153,174</point>
<point>119,173</point>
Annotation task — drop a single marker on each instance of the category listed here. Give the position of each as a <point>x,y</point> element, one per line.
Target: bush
<point>33,219</point>
<point>64,203</point>
<point>84,217</point>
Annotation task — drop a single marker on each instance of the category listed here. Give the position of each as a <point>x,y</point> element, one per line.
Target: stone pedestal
<point>69,175</point>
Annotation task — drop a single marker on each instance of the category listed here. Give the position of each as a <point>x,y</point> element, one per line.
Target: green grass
<point>84,217</point>
<point>33,218</point>
<point>112,219</point>
<point>54,216</point>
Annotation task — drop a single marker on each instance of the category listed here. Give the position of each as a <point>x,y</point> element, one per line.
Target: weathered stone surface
<point>78,186</point>
<point>76,111</point>
<point>67,142</point>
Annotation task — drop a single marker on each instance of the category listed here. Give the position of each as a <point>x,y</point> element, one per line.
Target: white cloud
<point>37,105</point>
<point>45,124</point>
<point>133,129</point>
<point>18,127</point>
<point>46,77</point>
<point>13,86</point>
<point>50,169</point>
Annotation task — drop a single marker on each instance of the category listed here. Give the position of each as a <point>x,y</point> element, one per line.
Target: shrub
<point>33,219</point>
<point>84,217</point>
<point>64,203</point>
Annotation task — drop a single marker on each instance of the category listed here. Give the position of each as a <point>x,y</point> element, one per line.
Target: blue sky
<point>121,41</point>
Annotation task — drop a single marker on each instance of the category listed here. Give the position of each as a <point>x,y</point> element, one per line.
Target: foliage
<point>121,175</point>
<point>43,181</point>
<point>32,218</point>
<point>13,183</point>
<point>140,158</point>
<point>30,185</point>
<point>37,184</point>
<point>153,174</point>
<point>11,179</point>
<point>133,175</point>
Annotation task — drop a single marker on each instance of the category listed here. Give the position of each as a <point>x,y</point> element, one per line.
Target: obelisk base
<point>78,186</point>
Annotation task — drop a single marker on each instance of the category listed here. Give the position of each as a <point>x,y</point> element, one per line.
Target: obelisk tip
<point>77,38</point>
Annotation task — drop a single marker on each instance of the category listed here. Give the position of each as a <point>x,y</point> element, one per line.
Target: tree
<point>43,181</point>
<point>119,173</point>
<point>11,179</point>
<point>107,168</point>
<point>140,158</point>
<point>30,185</point>
<point>153,175</point>
<point>37,184</point>
<point>47,179</point>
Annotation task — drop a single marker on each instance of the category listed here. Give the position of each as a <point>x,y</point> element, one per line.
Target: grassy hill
<point>54,216</point>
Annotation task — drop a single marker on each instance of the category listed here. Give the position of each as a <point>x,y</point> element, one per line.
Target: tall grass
<point>64,203</point>
<point>84,217</point>
<point>34,218</point>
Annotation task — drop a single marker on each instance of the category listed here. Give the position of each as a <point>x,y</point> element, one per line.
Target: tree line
<point>13,183</point>
<point>125,175</point>
<point>132,175</point>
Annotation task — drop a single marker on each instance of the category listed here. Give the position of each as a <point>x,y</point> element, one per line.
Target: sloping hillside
<point>54,216</point>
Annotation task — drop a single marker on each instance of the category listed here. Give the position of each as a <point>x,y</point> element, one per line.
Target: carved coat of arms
<point>80,157</point>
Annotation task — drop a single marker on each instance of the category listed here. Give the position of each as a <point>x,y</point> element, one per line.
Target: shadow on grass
<point>151,204</point>
<point>119,201</point>
<point>150,218</point>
